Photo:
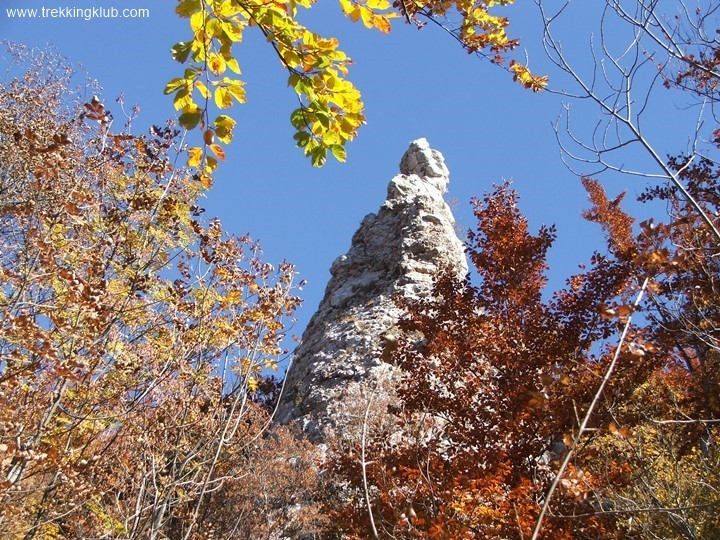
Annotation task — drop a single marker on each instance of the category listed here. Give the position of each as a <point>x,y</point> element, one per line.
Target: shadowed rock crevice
<point>397,251</point>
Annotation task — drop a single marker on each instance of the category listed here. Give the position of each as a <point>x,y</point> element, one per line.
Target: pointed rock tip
<point>421,160</point>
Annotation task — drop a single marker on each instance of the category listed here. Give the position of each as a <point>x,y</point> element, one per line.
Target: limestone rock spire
<point>397,251</point>
<point>421,160</point>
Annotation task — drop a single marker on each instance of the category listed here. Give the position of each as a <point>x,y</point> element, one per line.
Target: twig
<point>364,469</point>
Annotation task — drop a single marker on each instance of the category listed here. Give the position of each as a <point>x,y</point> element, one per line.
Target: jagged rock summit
<point>397,251</point>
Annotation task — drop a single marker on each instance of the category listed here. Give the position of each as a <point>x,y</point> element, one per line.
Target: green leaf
<point>173,85</point>
<point>189,120</point>
<point>318,156</point>
<point>188,7</point>
<point>298,120</point>
<point>302,138</point>
<point>210,164</point>
<point>339,152</point>
<point>213,28</point>
<point>182,99</point>
<point>181,51</point>
<point>303,86</point>
<point>321,106</point>
<point>323,119</point>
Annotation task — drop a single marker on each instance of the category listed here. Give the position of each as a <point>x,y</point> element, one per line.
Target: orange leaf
<point>206,181</point>
<point>218,151</point>
<point>606,312</point>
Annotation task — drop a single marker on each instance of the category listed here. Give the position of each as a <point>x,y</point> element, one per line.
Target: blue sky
<point>414,84</point>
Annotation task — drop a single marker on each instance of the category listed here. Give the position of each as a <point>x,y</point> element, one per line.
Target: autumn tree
<point>592,413</point>
<point>133,335</point>
<point>659,54</point>
<point>672,419</point>
<point>494,378</point>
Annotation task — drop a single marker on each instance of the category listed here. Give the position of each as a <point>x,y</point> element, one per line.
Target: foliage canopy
<point>330,108</point>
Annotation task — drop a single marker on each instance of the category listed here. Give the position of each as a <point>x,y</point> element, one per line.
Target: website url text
<point>77,13</point>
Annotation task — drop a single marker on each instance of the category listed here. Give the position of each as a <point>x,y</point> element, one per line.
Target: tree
<point>133,333</point>
<point>668,56</point>
<point>641,47</point>
<point>672,482</point>
<point>330,109</point>
<point>562,418</point>
<point>493,379</point>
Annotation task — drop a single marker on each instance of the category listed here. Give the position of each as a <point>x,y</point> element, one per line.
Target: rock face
<point>398,251</point>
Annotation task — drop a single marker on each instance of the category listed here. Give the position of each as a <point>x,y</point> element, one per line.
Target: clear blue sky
<point>414,83</point>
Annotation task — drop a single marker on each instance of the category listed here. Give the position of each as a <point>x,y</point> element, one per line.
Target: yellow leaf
<point>232,63</point>
<point>346,6</point>
<point>233,297</point>
<point>222,97</point>
<point>224,128</point>
<point>204,92</point>
<point>197,21</point>
<point>378,4</point>
<point>238,92</point>
<point>232,31</point>
<point>227,9</point>
<point>367,17</point>
<point>524,77</point>
<point>339,152</point>
<point>216,64</point>
<point>382,23</point>
<point>194,156</point>
<point>174,85</point>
